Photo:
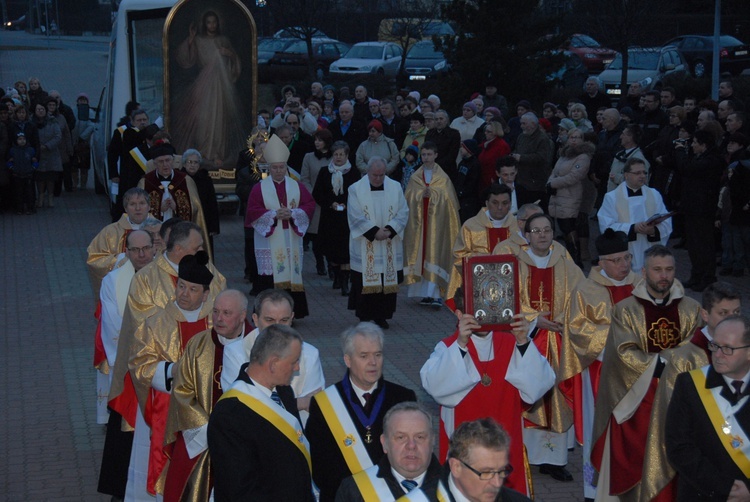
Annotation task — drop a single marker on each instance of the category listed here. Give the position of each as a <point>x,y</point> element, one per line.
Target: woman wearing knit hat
<point>468,123</point>
<point>377,145</point>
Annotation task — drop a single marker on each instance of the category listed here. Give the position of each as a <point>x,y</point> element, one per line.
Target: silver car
<point>379,58</point>
<point>647,65</point>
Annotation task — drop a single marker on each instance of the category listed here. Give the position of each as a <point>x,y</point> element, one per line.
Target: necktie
<point>368,404</point>
<point>409,484</point>
<point>737,385</point>
<point>276,398</point>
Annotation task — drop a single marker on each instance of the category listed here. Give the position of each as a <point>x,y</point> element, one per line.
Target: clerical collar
<point>135,226</point>
<point>540,261</point>
<point>633,192</point>
<point>175,266</point>
<point>375,189</point>
<point>623,282</point>
<point>457,495</point>
<point>361,392</point>
<point>164,178</point>
<point>496,223</point>
<point>658,301</point>
<point>279,182</point>
<point>190,315</point>
<point>419,479</point>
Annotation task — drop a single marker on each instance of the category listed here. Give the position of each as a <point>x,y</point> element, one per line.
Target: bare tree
<point>622,24</point>
<point>302,20</point>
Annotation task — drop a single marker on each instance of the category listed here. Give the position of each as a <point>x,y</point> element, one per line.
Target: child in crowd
<point>329,112</point>
<point>409,163</point>
<point>22,162</point>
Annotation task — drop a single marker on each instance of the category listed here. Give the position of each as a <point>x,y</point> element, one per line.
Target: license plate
<point>614,91</point>
<point>740,53</point>
<point>606,61</point>
<point>417,77</point>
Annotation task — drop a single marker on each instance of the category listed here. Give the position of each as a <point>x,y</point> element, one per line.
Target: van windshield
<point>147,63</point>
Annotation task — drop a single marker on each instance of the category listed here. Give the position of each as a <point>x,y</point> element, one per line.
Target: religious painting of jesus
<point>210,81</point>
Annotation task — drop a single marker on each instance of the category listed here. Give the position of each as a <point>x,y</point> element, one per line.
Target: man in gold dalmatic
<point>645,330</point>
<point>153,288</point>
<point>547,277</point>
<point>195,391</point>
<point>431,230</point>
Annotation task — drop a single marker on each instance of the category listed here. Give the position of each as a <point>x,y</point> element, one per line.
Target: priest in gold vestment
<point>547,277</point>
<point>195,390</point>
<point>481,233</point>
<point>586,326</point>
<point>645,330</point>
<point>157,345</point>
<point>720,300</point>
<point>431,230</point>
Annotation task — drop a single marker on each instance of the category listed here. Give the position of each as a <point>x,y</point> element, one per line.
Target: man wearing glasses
<point>478,464</point>
<point>720,300</point>
<point>709,419</point>
<point>645,329</point>
<point>586,327</point>
<point>547,275</point>
<point>629,208</point>
<point>652,120</point>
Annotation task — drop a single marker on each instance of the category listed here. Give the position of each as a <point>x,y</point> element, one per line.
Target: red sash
<point>500,400</point>
<point>495,235</point>
<point>99,353</point>
<point>157,409</point>
<point>541,287</point>
<point>180,464</point>
<point>178,188</point>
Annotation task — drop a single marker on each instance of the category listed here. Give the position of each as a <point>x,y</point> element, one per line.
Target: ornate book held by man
<point>491,290</point>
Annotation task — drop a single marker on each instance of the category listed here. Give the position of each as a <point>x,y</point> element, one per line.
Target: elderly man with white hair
<point>533,151</point>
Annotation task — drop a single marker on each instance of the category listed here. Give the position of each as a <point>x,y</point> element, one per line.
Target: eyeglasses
<point>487,475</point>
<point>636,173</point>
<point>192,162</point>
<point>726,350</point>
<point>619,261</point>
<point>543,231</point>
<point>140,250</point>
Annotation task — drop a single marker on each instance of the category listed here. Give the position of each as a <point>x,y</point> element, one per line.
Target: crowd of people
<point>204,395</point>
<point>44,146</point>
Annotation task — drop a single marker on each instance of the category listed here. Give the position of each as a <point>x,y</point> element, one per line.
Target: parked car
<point>572,74</point>
<point>592,54</point>
<point>292,61</point>
<point>423,61</point>
<point>380,58</point>
<point>734,56</point>
<point>16,24</point>
<point>296,31</point>
<point>267,47</point>
<point>647,65</point>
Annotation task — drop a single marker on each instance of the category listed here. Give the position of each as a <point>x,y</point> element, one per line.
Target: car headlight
<point>646,82</point>
<point>589,55</point>
<point>366,68</point>
<point>440,65</point>
<point>334,68</point>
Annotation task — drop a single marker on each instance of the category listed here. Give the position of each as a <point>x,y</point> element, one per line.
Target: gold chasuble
<point>477,236</point>
<point>640,332</point>
<point>546,290</point>
<point>153,287</point>
<point>103,251</point>
<point>431,230</point>
<point>185,194</point>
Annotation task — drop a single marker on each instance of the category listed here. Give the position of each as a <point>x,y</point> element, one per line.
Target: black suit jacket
<point>506,494</point>
<point>354,136</point>
<point>251,459</point>
<point>705,470</point>
<point>349,492</point>
<point>329,466</point>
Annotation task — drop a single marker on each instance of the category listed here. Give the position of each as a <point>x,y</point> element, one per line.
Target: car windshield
<point>424,51</point>
<point>298,47</point>
<point>584,41</point>
<point>272,44</point>
<point>365,52</point>
<point>438,29</point>
<point>639,60</point>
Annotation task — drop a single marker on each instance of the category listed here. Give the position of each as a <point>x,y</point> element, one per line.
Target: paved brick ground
<point>50,444</point>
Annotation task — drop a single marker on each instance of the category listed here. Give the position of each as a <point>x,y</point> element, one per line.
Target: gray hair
<point>375,160</point>
<point>367,330</point>
<point>132,193</point>
<point>406,406</point>
<point>284,127</point>
<point>238,295</point>
<point>340,145</point>
<point>346,103</point>
<point>442,112</point>
<point>189,152</point>
<point>273,341</point>
<point>597,80</point>
<point>532,117</point>
<point>181,233</point>
<point>581,108</point>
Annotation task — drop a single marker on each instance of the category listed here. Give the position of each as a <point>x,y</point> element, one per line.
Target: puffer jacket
<point>381,147</point>
<point>566,180</point>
